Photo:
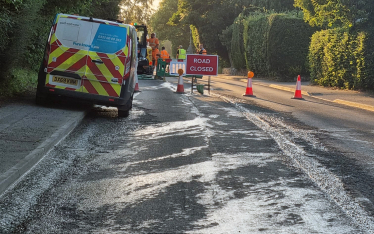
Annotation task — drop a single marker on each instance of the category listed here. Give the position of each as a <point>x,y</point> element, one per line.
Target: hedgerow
<point>276,44</point>
<point>340,58</point>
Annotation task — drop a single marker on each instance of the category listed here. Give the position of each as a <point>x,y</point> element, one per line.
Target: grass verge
<point>20,81</point>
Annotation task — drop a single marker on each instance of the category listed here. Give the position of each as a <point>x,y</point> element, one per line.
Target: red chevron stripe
<point>87,84</point>
<point>97,73</point>
<point>121,56</point>
<point>74,50</point>
<point>78,65</point>
<point>128,46</point>
<point>49,85</point>
<point>58,42</point>
<point>123,59</point>
<point>100,54</point>
<point>62,58</point>
<point>54,46</point>
<point>109,64</point>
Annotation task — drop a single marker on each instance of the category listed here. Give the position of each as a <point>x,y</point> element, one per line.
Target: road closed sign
<point>203,65</point>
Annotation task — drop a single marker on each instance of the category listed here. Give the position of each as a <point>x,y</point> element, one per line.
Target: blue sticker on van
<point>109,39</point>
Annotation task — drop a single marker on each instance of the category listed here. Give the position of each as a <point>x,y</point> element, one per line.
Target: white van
<point>90,59</point>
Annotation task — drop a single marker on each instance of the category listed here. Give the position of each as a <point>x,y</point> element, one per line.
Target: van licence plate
<point>64,80</point>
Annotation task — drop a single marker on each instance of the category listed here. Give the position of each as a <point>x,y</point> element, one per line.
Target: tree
<point>177,34</point>
<point>211,17</point>
<point>335,13</point>
<point>138,11</point>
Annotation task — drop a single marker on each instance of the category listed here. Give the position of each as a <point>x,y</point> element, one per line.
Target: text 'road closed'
<point>204,65</point>
<point>203,69</point>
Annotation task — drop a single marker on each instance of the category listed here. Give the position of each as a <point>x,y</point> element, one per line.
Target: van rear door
<point>68,53</point>
<point>106,60</point>
<point>88,56</point>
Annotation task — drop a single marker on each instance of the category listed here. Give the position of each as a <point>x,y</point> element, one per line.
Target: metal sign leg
<point>192,85</point>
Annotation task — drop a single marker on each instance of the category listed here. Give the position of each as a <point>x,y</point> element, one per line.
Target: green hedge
<point>288,42</point>
<point>339,58</point>
<point>236,50</point>
<point>255,36</point>
<point>276,44</point>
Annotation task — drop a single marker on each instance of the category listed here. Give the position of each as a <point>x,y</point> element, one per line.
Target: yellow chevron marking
<point>95,83</point>
<point>104,69</point>
<point>57,53</point>
<point>47,79</point>
<point>53,38</point>
<point>117,88</point>
<point>99,88</point>
<point>82,71</point>
<point>83,89</point>
<point>126,51</point>
<point>71,61</point>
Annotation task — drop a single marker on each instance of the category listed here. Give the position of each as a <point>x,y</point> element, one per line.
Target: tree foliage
<point>341,54</point>
<point>336,13</point>
<point>338,59</point>
<point>270,44</point>
<point>177,34</point>
<point>138,11</point>
<point>211,17</point>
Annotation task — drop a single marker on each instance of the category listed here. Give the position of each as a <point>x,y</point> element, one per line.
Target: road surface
<point>186,163</point>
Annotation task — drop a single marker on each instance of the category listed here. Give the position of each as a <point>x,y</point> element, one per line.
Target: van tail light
<point>150,63</point>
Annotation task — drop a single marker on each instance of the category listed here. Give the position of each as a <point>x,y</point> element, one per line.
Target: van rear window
<point>90,36</point>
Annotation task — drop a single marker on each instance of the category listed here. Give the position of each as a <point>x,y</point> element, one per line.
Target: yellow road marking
<point>287,89</point>
<point>355,104</point>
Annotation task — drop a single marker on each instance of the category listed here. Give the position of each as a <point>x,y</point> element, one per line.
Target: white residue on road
<point>270,207</point>
<point>326,180</point>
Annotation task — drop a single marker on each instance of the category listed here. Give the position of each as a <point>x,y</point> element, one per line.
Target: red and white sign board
<point>202,65</point>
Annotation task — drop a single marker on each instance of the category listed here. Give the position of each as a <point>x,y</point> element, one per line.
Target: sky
<point>156,4</point>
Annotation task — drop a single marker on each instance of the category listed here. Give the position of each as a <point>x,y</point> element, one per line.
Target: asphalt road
<point>194,164</point>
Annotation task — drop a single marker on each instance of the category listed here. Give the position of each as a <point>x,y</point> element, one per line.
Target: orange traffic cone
<point>249,91</point>
<point>136,83</point>
<point>180,88</point>
<point>298,89</point>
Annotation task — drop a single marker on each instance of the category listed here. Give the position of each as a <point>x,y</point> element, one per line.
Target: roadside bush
<point>255,35</point>
<point>20,80</point>
<point>276,44</point>
<point>18,36</point>
<point>288,42</point>
<point>237,43</point>
<point>340,58</point>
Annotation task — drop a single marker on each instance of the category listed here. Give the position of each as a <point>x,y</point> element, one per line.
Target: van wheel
<point>123,113</point>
